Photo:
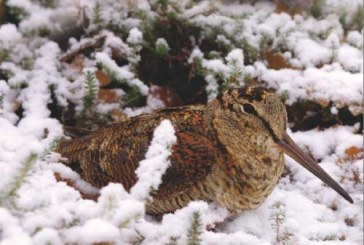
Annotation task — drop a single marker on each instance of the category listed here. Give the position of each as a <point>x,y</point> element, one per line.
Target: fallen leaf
<point>353,151</point>
<point>292,9</point>
<point>118,116</point>
<point>276,61</point>
<point>2,9</point>
<point>108,96</point>
<point>103,78</point>
<point>77,64</point>
<point>168,96</point>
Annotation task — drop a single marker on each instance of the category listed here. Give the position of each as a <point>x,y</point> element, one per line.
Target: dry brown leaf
<point>2,9</point>
<point>118,116</point>
<point>77,64</point>
<point>276,61</point>
<point>285,8</point>
<point>108,96</point>
<point>116,54</point>
<point>103,78</point>
<point>323,102</point>
<point>351,154</point>
<point>168,96</point>
<point>356,110</point>
<point>353,151</point>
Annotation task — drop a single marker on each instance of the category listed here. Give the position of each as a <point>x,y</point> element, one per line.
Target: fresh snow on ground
<point>325,65</point>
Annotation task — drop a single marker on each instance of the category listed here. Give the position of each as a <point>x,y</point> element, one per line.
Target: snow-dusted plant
<point>194,232</point>
<point>161,47</point>
<point>91,87</point>
<point>151,170</point>
<point>9,190</point>
<point>310,52</point>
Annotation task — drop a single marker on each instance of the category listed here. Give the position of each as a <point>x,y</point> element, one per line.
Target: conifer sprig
<point>91,90</point>
<point>195,231</point>
<point>97,19</point>
<point>283,236</point>
<point>19,178</point>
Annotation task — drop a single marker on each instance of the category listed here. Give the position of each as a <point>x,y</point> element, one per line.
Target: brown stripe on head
<point>261,102</point>
<point>228,97</point>
<point>255,93</point>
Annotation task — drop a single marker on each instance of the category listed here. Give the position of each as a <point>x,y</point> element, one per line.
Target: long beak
<point>291,149</point>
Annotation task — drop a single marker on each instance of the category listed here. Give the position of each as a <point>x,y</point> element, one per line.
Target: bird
<point>229,151</point>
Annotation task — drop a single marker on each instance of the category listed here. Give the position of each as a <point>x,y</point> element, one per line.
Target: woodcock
<point>230,151</point>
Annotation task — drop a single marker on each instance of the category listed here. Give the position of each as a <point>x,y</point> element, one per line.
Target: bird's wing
<point>110,154</point>
<point>113,154</point>
<point>192,160</point>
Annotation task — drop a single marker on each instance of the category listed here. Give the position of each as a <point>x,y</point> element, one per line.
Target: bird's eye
<point>248,108</point>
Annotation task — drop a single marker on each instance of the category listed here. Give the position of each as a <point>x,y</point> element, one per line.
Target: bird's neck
<point>253,152</point>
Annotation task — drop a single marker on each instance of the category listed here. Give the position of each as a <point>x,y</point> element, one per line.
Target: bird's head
<point>264,107</point>
<point>258,104</point>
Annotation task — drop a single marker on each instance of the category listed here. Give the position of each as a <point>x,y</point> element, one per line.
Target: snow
<point>325,65</point>
<point>317,84</point>
<point>311,53</point>
<point>198,9</point>
<point>47,236</point>
<point>121,73</point>
<point>216,66</point>
<point>236,58</point>
<point>156,161</point>
<point>163,43</point>
<point>115,42</point>
<point>195,54</point>
<point>9,35</point>
<point>355,39</point>
<point>135,36</point>
<point>94,231</point>
<point>351,58</point>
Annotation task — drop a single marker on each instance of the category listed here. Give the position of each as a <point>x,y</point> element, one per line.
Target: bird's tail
<point>75,132</point>
<point>68,147</point>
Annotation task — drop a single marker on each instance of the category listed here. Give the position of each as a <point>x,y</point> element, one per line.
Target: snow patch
<point>156,161</point>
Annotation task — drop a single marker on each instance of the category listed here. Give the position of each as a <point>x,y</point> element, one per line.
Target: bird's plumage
<point>227,151</point>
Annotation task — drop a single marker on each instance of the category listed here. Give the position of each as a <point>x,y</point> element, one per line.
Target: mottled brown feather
<point>221,154</point>
<point>101,159</point>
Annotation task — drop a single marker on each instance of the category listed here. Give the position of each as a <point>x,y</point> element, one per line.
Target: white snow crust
<point>325,65</point>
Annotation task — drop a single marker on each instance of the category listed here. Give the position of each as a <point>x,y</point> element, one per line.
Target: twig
<point>92,43</point>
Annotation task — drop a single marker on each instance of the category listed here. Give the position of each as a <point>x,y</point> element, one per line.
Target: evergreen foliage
<point>358,18</point>
<point>3,55</point>
<point>48,3</point>
<point>195,230</point>
<point>283,237</point>
<point>133,98</point>
<point>17,13</point>
<point>317,8</point>
<point>97,19</point>
<point>10,191</point>
<point>91,90</point>
<point>162,47</point>
<point>1,103</point>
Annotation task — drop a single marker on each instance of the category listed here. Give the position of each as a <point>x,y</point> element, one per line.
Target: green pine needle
<point>19,179</point>
<point>92,90</point>
<point>97,19</point>
<point>133,97</point>
<point>317,8</point>
<point>195,231</point>
<point>358,18</point>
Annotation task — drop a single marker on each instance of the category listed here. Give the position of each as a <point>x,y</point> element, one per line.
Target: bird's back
<point>113,154</point>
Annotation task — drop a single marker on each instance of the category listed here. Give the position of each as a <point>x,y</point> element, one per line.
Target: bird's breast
<point>246,182</point>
